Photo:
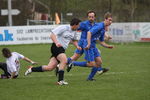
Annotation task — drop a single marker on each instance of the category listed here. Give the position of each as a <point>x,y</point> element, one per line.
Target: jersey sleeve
<point>96,28</point>
<point>20,56</point>
<point>59,30</point>
<point>81,26</point>
<point>76,36</point>
<point>102,35</point>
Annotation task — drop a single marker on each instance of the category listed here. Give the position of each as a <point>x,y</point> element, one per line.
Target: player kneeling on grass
<point>61,36</point>
<point>12,65</point>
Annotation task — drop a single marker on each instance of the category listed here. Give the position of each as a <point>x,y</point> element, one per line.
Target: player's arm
<point>88,40</point>
<point>20,56</point>
<point>106,45</point>
<point>57,31</point>
<point>29,60</point>
<point>75,43</point>
<point>107,36</point>
<point>91,32</point>
<point>101,40</point>
<point>54,39</point>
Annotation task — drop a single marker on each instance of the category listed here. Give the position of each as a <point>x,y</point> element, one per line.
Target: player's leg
<point>77,52</point>
<point>100,69</point>
<point>98,62</point>
<point>76,56</point>
<point>51,65</point>
<point>3,66</point>
<point>89,57</point>
<point>94,71</point>
<point>62,58</point>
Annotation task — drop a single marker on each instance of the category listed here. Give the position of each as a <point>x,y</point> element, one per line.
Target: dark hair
<point>75,21</point>
<point>6,52</point>
<point>91,11</point>
<point>107,15</point>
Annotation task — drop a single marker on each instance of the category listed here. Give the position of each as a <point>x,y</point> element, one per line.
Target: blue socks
<point>81,64</point>
<point>69,60</point>
<point>99,69</point>
<point>93,72</point>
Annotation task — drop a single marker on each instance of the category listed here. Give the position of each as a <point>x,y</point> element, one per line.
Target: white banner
<point>141,31</point>
<point>129,32</point>
<point>25,34</point>
<point>120,32</point>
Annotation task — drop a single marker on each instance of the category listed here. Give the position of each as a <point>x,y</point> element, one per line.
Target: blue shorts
<point>82,43</point>
<point>91,54</point>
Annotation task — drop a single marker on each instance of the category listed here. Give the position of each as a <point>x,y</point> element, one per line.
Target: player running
<point>92,55</point>
<point>61,37</point>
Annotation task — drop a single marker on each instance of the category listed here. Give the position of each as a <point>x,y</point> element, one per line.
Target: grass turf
<point>128,78</point>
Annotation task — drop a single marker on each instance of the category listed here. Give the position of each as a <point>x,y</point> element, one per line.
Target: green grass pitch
<point>128,78</point>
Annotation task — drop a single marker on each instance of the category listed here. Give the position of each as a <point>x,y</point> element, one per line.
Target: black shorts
<point>3,66</point>
<point>6,74</point>
<point>56,50</point>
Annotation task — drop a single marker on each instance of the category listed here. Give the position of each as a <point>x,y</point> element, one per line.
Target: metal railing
<point>43,22</point>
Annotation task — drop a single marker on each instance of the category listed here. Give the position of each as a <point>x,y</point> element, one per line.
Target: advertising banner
<point>120,32</point>
<point>25,34</point>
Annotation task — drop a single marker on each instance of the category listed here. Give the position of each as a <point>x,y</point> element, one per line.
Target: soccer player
<point>92,55</point>
<point>97,33</point>
<point>84,27</point>
<point>61,36</point>
<point>12,65</point>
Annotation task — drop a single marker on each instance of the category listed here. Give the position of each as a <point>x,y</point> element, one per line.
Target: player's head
<point>75,23</point>
<point>6,52</point>
<point>108,18</point>
<point>91,15</point>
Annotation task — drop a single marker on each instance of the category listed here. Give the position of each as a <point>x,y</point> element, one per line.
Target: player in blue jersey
<point>92,55</point>
<point>97,33</point>
<point>84,27</point>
